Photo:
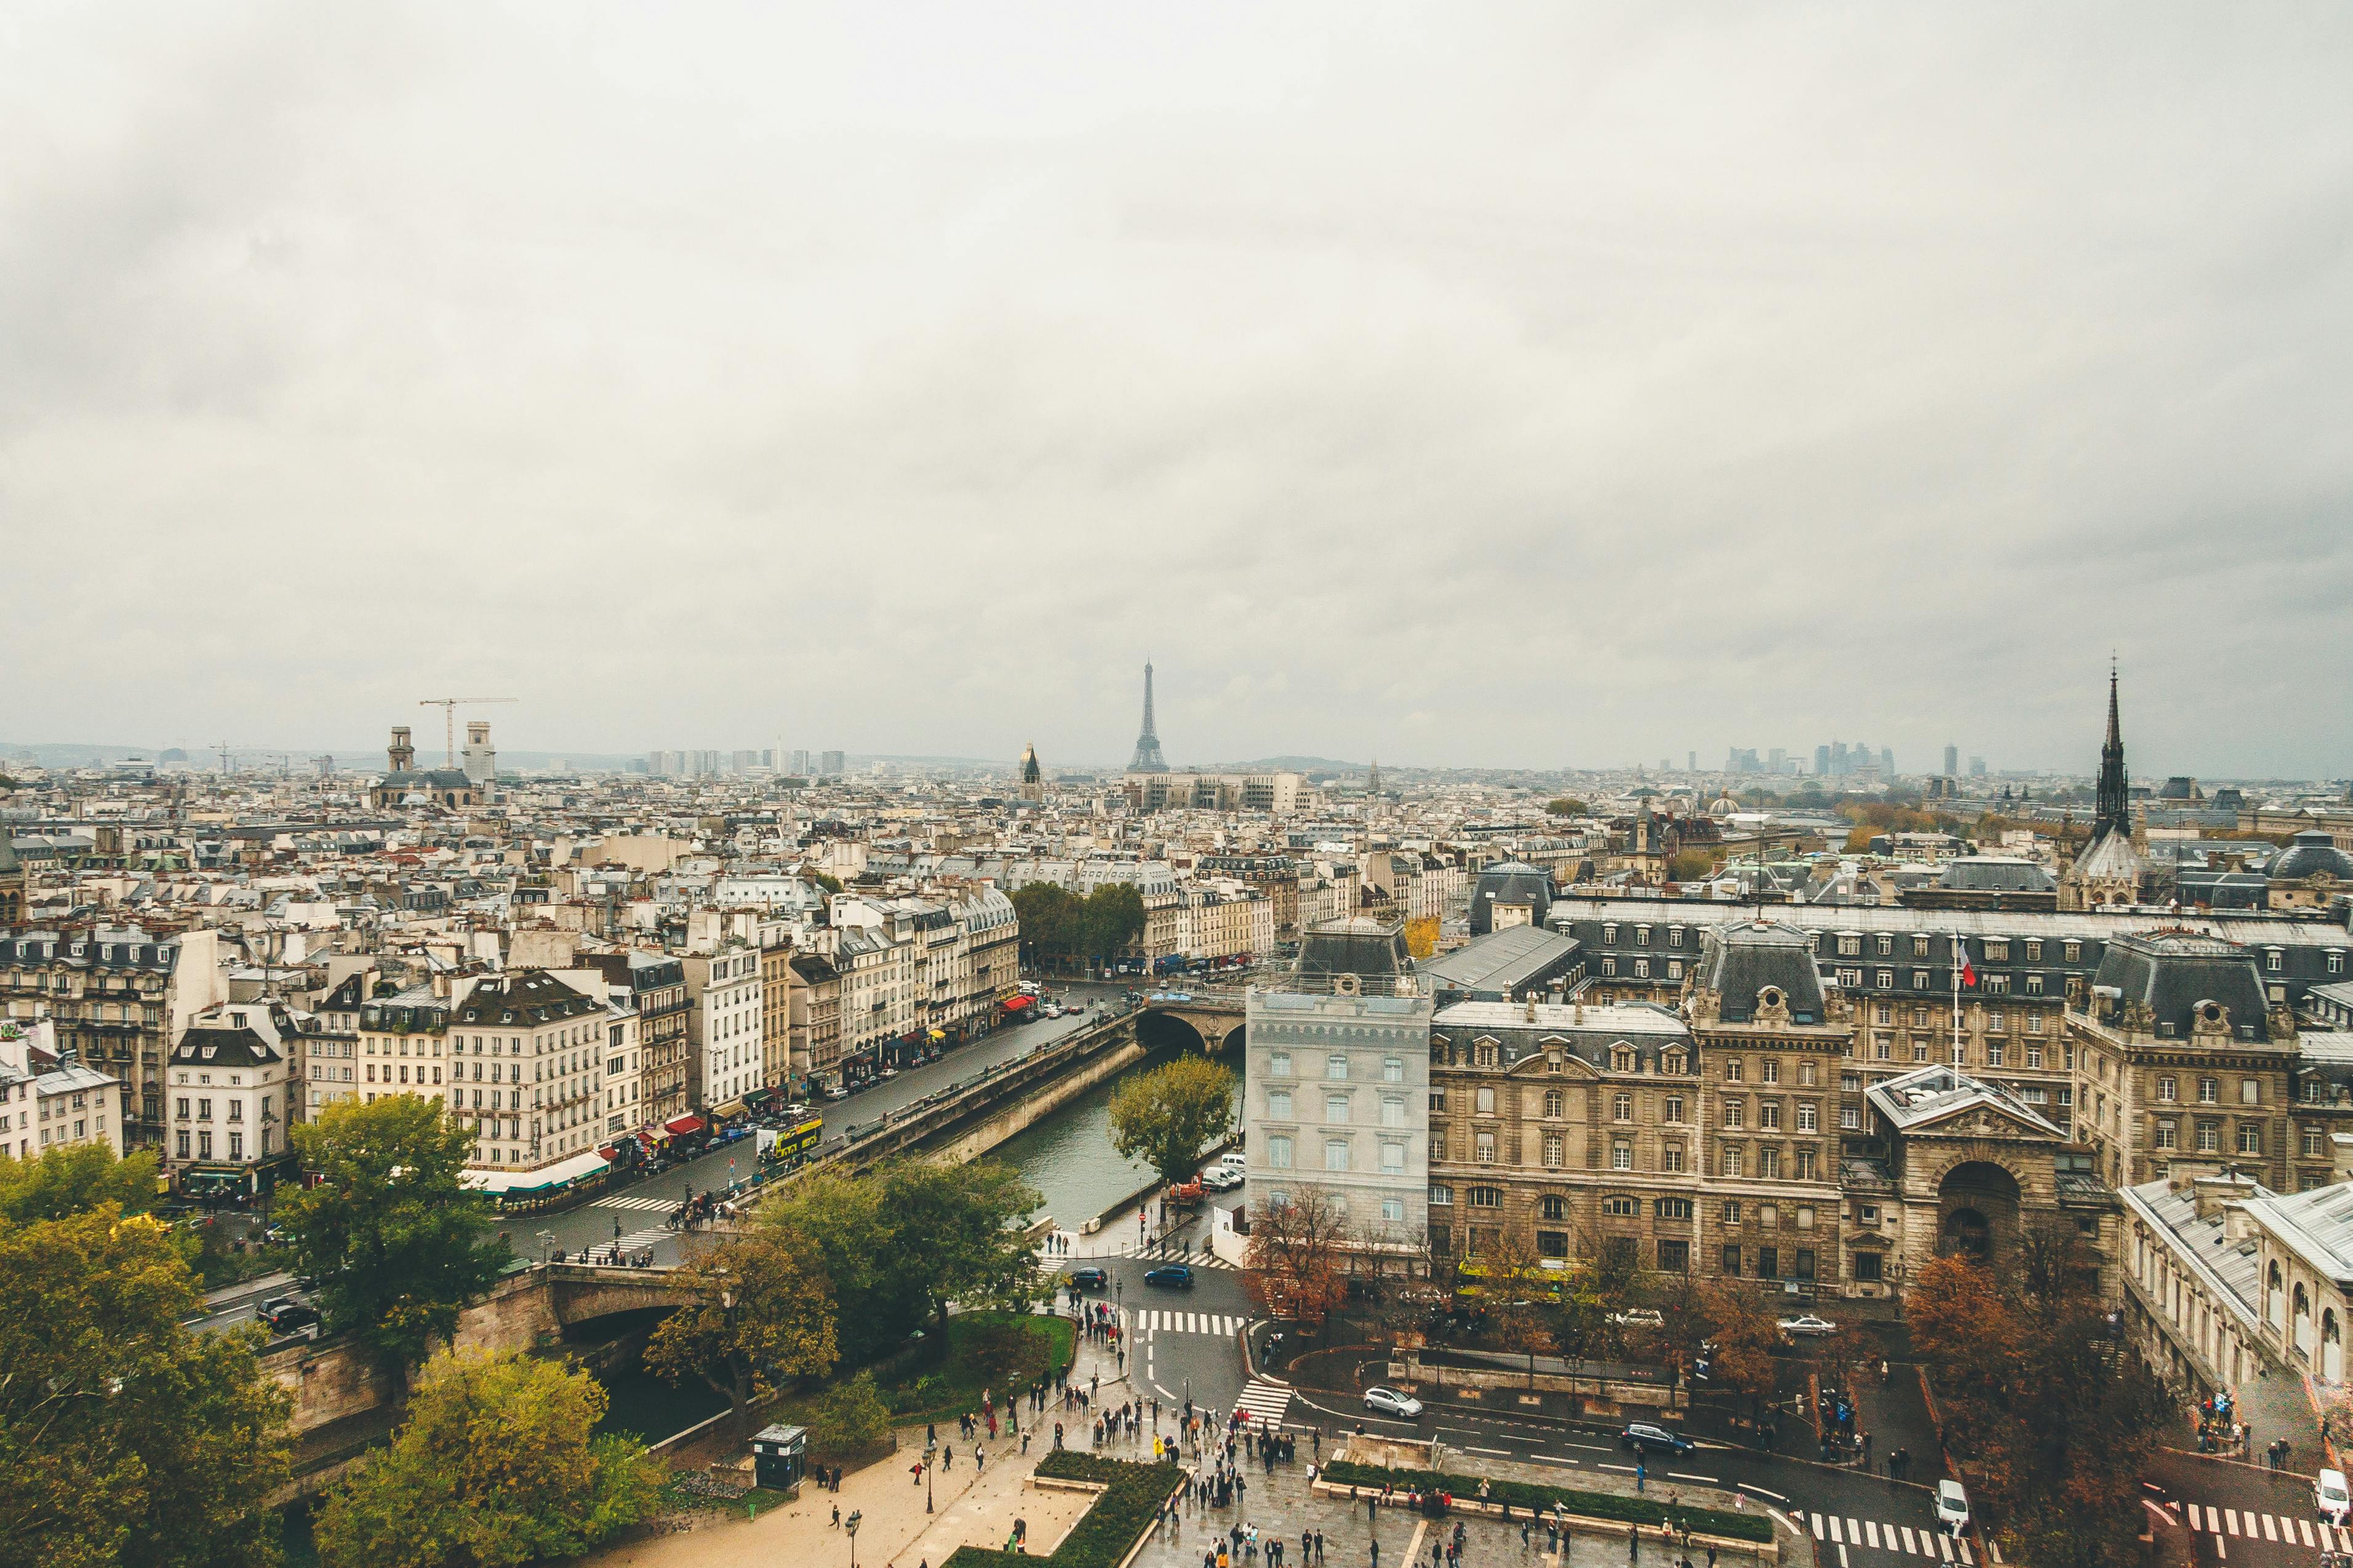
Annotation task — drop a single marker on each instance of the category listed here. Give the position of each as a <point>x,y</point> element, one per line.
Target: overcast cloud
<point>1487,386</point>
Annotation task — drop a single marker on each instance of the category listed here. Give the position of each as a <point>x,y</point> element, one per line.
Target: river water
<point>1068,1156</point>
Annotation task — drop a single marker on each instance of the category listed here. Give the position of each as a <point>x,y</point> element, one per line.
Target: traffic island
<point>1410,1474</point>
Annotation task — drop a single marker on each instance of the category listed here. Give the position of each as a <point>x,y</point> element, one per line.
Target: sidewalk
<point>970,1507</point>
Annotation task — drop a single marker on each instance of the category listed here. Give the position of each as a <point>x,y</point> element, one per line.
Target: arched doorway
<point>1977,1212</point>
<point>2332,1347</point>
<point>2300,1305</point>
<point>2275,1298</point>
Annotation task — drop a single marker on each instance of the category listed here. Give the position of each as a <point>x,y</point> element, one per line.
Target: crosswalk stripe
<point>2271,1531</point>
<point>2230,1518</point>
<point>1908,1546</point>
<point>1871,1529</point>
<point>1943,1546</point>
<point>1817,1527</point>
<point>2192,1510</point>
<point>1963,1545</point>
<point>1837,1537</point>
<point>2306,1526</point>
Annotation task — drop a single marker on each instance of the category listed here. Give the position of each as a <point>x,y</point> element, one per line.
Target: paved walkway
<point>970,1506</point>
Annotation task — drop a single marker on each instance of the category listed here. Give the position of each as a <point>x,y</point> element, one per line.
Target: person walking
<point>1633,1543</point>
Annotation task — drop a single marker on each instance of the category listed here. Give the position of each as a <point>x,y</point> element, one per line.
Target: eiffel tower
<point>1147,759</point>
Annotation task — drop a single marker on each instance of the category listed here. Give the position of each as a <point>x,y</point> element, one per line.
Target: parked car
<point>1953,1506</point>
<point>1390,1402</point>
<point>1644,1438</point>
<point>1638,1318</point>
<point>1090,1278</point>
<point>284,1314</point>
<point>1221,1178</point>
<point>1235,1159</point>
<point>2330,1497</point>
<point>1171,1276</point>
<point>1808,1327</point>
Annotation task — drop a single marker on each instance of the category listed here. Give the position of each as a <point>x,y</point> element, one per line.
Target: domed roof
<point>2311,853</point>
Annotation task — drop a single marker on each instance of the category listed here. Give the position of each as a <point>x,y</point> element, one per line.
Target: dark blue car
<point>1175,1276</point>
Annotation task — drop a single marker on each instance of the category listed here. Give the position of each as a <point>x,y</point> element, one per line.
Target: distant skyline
<point>1517,386</point>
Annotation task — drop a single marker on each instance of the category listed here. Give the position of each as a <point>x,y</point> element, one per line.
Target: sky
<point>1492,385</point>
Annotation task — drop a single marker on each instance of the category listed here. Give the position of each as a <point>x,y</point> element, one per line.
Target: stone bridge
<point>1212,1012</point>
<point>578,1292</point>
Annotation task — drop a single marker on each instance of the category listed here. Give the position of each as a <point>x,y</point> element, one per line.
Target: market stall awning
<point>1015,1003</point>
<point>608,1154</point>
<point>682,1125</point>
<point>937,1034</point>
<point>759,1097</point>
<point>732,1108</point>
<point>563,1174</point>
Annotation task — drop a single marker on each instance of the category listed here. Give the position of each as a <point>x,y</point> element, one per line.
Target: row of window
<point>1336,1107</point>
<point>2209,1137</point>
<point>1338,1153</point>
<point>1336,1067</point>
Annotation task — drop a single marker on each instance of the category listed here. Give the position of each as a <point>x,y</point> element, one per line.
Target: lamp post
<point>546,1245</point>
<point>849,1524</point>
<point>928,1449</point>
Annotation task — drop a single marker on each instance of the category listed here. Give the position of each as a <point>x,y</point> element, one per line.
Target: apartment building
<point>525,1056</point>
<point>724,1027</point>
<point>48,1100</point>
<point>232,1083</point>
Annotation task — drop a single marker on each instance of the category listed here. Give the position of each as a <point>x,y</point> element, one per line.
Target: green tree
<point>1114,918</point>
<point>1691,865</point>
<point>955,1237</point>
<point>760,1315</point>
<point>125,1440</point>
<point>850,1419</point>
<point>831,884</point>
<point>74,1181</point>
<point>396,1241</point>
<point>1167,1116</point>
<point>1568,805</point>
<point>843,1218</point>
<point>496,1465</point>
<point>1050,922</point>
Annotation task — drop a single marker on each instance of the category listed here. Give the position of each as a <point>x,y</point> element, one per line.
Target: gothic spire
<point>2114,808</point>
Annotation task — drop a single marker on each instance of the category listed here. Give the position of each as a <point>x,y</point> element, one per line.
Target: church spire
<point>2113,806</point>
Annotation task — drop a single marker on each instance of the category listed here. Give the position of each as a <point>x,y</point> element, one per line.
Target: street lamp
<point>546,1245</point>
<point>850,1525</point>
<point>928,1449</point>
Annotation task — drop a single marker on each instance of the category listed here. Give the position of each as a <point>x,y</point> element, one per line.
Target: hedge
<point>1102,1536</point>
<point>1534,1497</point>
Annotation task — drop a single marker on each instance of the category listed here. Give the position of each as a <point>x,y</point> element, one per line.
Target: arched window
<point>2303,1309</point>
<point>2274,1299</point>
<point>1552,1205</point>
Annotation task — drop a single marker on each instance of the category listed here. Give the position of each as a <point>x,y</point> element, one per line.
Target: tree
<point>74,1181</point>
<point>1519,1297</point>
<point>1167,1116</point>
<point>1049,921</point>
<point>955,1237</point>
<point>125,1439</point>
<point>843,1218</point>
<point>1114,918</point>
<point>1744,1334</point>
<point>1691,865</point>
<point>831,884</point>
<point>397,1243</point>
<point>850,1419</point>
<point>2056,1420</point>
<point>1296,1265</point>
<point>497,1465</point>
<point>760,1315</point>
<point>1566,806</point>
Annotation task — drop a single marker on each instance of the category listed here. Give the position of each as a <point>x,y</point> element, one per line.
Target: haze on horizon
<point>1504,386</point>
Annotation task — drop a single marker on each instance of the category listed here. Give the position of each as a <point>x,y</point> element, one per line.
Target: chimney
<point>2210,1195</point>
<point>1532,1006</point>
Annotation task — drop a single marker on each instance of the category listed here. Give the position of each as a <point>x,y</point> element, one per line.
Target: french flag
<point>1969,970</point>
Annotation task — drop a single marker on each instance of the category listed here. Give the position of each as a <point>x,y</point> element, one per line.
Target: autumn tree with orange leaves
<point>1298,1258</point>
<point>2052,1417</point>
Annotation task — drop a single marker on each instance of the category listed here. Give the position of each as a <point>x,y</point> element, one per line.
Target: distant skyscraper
<point>801,761</point>
<point>1952,761</point>
<point>833,765</point>
<point>1977,767</point>
<point>1887,762</point>
<point>1779,758</point>
<point>1147,759</point>
<point>1821,760</point>
<point>1691,761</point>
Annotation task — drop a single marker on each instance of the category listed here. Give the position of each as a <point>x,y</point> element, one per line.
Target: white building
<point>724,1030</point>
<point>231,1099</point>
<point>50,1101</point>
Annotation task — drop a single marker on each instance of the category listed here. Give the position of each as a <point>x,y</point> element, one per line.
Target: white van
<point>1952,1508</point>
<point>2330,1497</point>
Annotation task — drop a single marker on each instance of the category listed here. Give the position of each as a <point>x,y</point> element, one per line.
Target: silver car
<point>1389,1402</point>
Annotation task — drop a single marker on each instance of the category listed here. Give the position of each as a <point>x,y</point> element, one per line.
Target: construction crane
<point>448,706</point>
<point>222,748</point>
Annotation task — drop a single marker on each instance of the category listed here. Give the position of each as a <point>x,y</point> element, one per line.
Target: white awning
<point>564,1172</point>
